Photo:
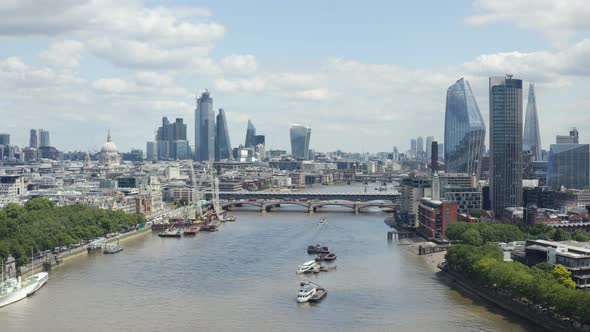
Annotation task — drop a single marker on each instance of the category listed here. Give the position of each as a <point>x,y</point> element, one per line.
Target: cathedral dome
<point>109,146</point>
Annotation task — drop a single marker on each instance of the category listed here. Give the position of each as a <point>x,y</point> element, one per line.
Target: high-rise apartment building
<point>300,137</point>
<point>205,128</point>
<point>222,143</point>
<point>505,143</point>
<point>420,148</point>
<point>531,136</point>
<point>465,131</point>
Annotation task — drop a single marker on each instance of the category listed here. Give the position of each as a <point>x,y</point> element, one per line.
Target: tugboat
<point>170,233</point>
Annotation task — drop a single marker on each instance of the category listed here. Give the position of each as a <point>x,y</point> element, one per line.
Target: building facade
<point>434,216</point>
<point>464,131</point>
<point>569,166</point>
<point>250,135</point>
<point>505,143</point>
<point>204,128</point>
<point>300,137</point>
<point>222,142</point>
<point>532,137</point>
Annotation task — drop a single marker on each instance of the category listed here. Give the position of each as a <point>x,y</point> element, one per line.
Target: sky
<point>365,76</point>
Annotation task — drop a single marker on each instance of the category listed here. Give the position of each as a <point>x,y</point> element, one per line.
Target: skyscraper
<point>250,135</point>
<point>419,148</point>
<point>434,157</point>
<point>300,136</point>
<point>413,146</point>
<point>531,137</point>
<point>465,131</point>
<point>204,128</point>
<point>4,139</point>
<point>505,143</point>
<point>171,140</point>
<point>259,139</point>
<point>568,166</point>
<point>428,147</point>
<point>34,139</point>
<point>222,143</point>
<point>44,138</point>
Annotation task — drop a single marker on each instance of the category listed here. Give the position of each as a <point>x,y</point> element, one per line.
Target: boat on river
<point>13,289</point>
<point>317,249</point>
<point>191,231</point>
<point>171,233</point>
<point>326,257</point>
<point>306,291</point>
<point>112,249</point>
<point>307,267</point>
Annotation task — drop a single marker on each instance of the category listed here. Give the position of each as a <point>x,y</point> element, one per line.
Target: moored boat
<point>13,289</point>
<point>320,292</point>
<point>310,266</point>
<point>170,233</point>
<point>191,231</point>
<point>317,249</point>
<point>112,249</point>
<point>306,291</point>
<point>326,257</point>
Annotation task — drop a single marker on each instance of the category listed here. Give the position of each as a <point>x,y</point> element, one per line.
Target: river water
<point>243,278</point>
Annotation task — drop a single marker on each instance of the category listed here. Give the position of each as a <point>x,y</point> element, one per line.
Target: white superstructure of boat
<point>13,289</point>
<point>306,291</point>
<point>310,266</point>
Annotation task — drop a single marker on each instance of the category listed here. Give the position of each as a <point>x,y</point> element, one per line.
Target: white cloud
<point>63,54</point>
<point>313,94</point>
<point>559,20</point>
<point>239,64</point>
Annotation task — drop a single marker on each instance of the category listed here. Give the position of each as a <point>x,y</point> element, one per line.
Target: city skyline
<point>86,80</point>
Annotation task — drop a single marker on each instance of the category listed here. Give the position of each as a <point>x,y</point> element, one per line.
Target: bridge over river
<point>392,197</point>
<point>308,206</point>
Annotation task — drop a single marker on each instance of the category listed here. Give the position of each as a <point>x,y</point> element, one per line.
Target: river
<point>243,278</point>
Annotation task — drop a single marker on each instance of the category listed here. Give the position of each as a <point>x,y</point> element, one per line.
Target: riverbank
<point>77,253</point>
<point>432,260</point>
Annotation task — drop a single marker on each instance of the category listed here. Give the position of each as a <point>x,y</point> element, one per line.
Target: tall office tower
<point>413,147</point>
<point>44,138</point>
<point>434,156</point>
<point>259,139</point>
<point>441,151</point>
<point>465,131</point>
<point>171,142</point>
<point>395,154</point>
<point>250,135</point>
<point>205,128</point>
<point>151,151</point>
<point>420,148</point>
<point>4,139</point>
<point>531,136</point>
<point>222,143</point>
<point>568,166</point>
<point>574,134</point>
<point>300,136</point>
<point>178,130</point>
<point>428,146</point>
<point>34,139</point>
<point>505,143</point>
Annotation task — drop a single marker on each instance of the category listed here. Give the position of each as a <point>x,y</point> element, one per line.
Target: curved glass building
<point>300,136</point>
<point>250,135</point>
<point>465,131</point>
<point>222,143</point>
<point>205,128</point>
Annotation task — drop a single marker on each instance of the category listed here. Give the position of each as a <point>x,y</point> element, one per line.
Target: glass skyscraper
<point>532,137</point>
<point>204,128</point>
<point>505,143</point>
<point>465,131</point>
<point>569,166</point>
<point>300,136</point>
<point>250,135</point>
<point>419,148</point>
<point>222,143</point>
<point>44,138</point>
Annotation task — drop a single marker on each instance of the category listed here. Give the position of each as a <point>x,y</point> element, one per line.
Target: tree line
<point>551,287</point>
<point>477,234</point>
<point>41,225</point>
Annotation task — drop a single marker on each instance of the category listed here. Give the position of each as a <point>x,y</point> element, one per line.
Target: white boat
<point>322,221</point>
<point>13,289</point>
<point>306,291</point>
<point>310,266</point>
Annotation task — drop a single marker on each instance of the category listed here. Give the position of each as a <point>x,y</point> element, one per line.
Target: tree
<point>476,213</point>
<point>561,235</point>
<point>39,203</point>
<point>472,237</point>
<point>564,276</point>
<point>580,235</point>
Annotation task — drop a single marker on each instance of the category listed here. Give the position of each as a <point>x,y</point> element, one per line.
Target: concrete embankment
<point>431,260</point>
<point>544,319</point>
<point>82,251</point>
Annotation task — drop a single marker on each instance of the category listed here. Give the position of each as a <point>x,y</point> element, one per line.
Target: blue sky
<point>364,75</point>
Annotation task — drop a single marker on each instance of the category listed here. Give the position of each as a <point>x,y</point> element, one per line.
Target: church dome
<point>109,146</point>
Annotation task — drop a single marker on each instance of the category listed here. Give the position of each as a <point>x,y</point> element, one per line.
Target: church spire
<point>109,136</point>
